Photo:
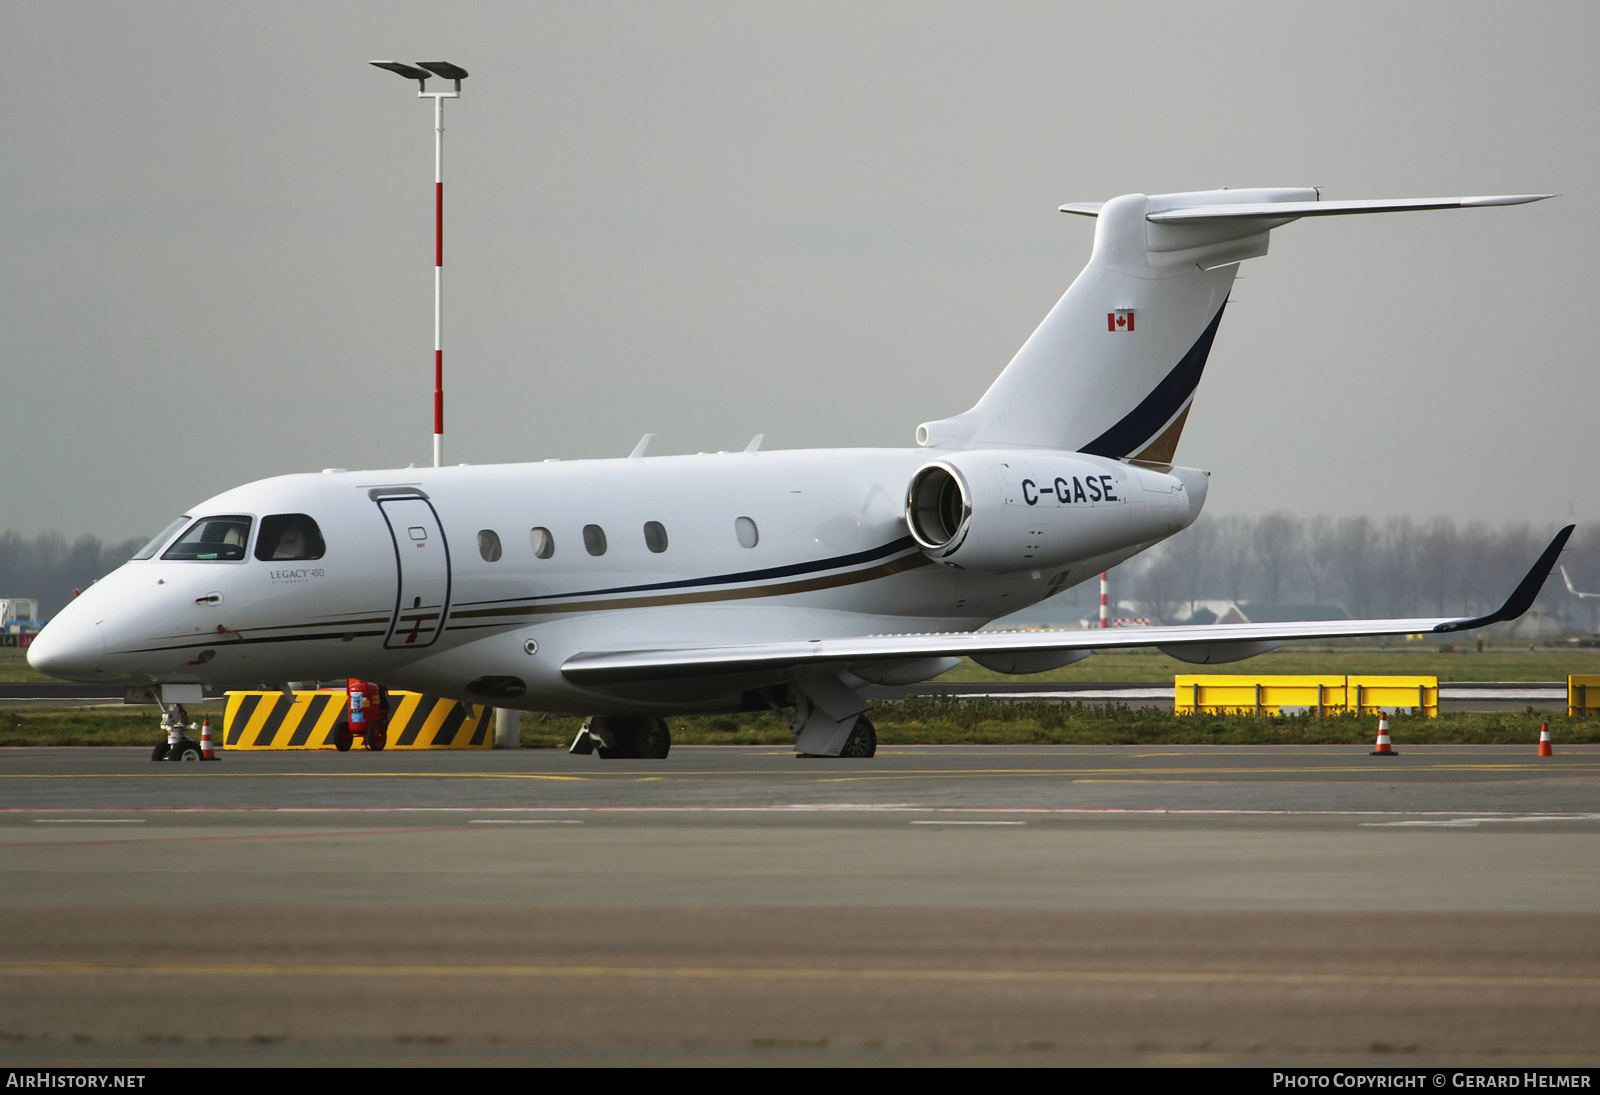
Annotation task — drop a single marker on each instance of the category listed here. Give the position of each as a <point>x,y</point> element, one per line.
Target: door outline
<point>406,625</point>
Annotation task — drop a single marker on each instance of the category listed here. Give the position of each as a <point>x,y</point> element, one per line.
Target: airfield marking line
<point>523,821</point>
<point>286,834</point>
<point>1476,820</point>
<point>783,807</point>
<point>969,823</point>
<point>1200,977</point>
<point>778,808</point>
<point>89,820</point>
<point>310,775</point>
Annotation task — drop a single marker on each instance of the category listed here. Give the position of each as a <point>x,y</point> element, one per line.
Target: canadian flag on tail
<point>1120,320</point>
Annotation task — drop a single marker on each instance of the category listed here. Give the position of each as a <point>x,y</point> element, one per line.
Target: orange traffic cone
<point>207,752</point>
<point>1544,740</point>
<point>1382,749</point>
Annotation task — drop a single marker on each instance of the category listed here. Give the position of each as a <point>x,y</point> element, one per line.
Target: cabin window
<point>745,529</point>
<point>655,536</point>
<point>166,534</point>
<point>489,545</point>
<point>289,536</point>
<point>594,539</point>
<point>212,539</point>
<point>544,545</point>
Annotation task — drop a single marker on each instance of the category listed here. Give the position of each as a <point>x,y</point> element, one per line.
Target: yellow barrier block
<point>1419,695</point>
<point>1274,695</point>
<point>1236,694</point>
<point>1583,694</point>
<point>267,720</point>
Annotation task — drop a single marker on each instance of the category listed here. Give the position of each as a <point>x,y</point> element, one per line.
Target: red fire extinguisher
<point>366,715</point>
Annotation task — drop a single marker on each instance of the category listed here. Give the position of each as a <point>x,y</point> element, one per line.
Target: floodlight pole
<point>421,73</point>
<point>438,98</point>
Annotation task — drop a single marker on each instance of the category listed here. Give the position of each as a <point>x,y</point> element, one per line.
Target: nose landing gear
<point>179,746</point>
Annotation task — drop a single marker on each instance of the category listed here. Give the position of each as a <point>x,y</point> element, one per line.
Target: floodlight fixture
<point>410,72</point>
<point>444,69</point>
<point>421,72</point>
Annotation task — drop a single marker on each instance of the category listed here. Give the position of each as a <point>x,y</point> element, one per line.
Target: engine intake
<point>938,508</point>
<point>1010,510</point>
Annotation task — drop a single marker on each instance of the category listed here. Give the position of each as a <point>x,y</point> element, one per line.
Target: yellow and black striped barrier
<point>1583,694</point>
<point>268,720</point>
<point>1234,693</point>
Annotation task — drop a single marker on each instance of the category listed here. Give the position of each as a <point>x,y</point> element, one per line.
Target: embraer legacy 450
<point>631,589</point>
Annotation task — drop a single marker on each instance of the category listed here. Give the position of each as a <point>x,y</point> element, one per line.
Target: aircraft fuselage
<point>440,579</point>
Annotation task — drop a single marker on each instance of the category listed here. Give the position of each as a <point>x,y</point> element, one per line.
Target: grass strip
<point>927,720</point>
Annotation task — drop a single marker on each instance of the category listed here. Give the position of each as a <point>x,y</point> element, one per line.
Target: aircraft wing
<point>637,666</point>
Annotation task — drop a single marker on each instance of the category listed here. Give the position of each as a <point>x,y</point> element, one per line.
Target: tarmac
<point>1246,905</point>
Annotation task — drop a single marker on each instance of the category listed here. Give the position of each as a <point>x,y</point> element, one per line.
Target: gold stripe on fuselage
<point>780,589</point>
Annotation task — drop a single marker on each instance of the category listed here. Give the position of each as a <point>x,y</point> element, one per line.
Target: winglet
<point>1521,598</point>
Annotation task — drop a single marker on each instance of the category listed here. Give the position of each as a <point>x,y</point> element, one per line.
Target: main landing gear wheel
<point>342,738</point>
<point>863,740</point>
<point>631,738</point>
<point>653,740</point>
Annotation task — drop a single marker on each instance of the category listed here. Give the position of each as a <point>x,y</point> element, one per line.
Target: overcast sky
<point>825,222</point>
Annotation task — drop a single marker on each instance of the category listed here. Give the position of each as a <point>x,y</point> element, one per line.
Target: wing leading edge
<point>796,657</point>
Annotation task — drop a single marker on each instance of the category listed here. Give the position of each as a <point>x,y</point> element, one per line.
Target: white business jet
<point>630,589</point>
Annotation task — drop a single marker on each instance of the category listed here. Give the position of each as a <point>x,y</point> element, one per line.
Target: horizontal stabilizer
<point>601,668</point>
<point>1280,210</point>
<point>1286,210</point>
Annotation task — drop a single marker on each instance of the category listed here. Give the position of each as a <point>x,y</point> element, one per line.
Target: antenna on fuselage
<point>755,442</point>
<point>644,443</point>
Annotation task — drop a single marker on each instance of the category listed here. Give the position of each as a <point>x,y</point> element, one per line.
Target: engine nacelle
<point>1007,510</point>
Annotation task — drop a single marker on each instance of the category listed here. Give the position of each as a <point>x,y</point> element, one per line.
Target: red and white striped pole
<point>1104,587</point>
<point>438,280</point>
<point>422,72</point>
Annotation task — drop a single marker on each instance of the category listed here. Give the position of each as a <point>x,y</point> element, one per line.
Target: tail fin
<point>1113,368</point>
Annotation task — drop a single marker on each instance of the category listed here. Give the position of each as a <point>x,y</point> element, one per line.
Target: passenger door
<point>422,561</point>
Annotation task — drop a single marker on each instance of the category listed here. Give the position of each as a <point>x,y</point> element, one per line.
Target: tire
<point>159,752</point>
<point>653,740</point>
<point>863,740</point>
<point>342,738</point>
<point>185,751</point>
<point>377,738</point>
<point>634,738</point>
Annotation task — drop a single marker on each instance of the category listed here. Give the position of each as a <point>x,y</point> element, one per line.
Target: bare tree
<point>1353,543</point>
<point>1320,557</point>
<point>1233,554</point>
<point>1191,552</point>
<point>1275,544</point>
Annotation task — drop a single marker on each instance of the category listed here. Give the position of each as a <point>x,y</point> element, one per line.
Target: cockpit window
<point>212,538</point>
<point>289,536</point>
<point>166,534</point>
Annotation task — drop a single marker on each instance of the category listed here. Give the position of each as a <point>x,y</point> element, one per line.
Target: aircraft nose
<point>70,646</point>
